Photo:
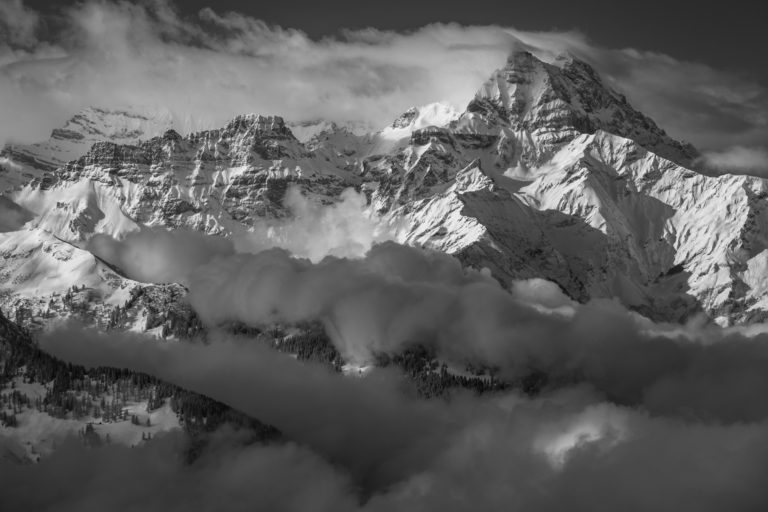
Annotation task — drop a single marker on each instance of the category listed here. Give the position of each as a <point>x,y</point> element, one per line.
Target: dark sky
<point>726,35</point>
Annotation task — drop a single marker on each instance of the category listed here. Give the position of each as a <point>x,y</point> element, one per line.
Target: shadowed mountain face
<point>547,173</point>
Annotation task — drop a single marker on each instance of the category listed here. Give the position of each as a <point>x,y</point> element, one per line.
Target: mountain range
<point>546,173</point>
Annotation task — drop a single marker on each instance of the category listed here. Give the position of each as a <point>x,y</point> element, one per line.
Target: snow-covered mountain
<point>547,172</point>
<point>75,138</point>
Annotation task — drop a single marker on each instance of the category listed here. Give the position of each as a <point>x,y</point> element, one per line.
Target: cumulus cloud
<point>18,24</point>
<point>216,65</point>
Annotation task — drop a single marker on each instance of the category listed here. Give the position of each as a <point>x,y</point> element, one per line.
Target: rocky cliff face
<point>546,173</point>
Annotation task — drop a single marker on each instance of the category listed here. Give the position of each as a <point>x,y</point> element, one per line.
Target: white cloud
<point>737,160</point>
<point>342,229</point>
<point>217,65</point>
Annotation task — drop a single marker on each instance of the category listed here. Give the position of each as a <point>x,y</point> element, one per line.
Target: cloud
<point>216,65</point>
<point>12,216</point>
<point>345,228</point>
<point>633,405</point>
<point>313,231</point>
<point>335,416</point>
<point>395,297</point>
<point>737,160</point>
<point>159,256</point>
<point>400,296</point>
<point>544,455</point>
<point>153,477</point>
<point>567,448</point>
<point>18,24</point>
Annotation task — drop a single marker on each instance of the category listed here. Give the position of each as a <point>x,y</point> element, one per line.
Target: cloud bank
<point>662,416</point>
<point>399,296</point>
<point>569,448</point>
<point>215,65</point>
<point>396,297</point>
<point>334,416</point>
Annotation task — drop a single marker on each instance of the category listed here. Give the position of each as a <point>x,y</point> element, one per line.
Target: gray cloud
<point>12,216</point>
<point>636,405</point>
<point>152,477</point>
<point>397,296</point>
<point>553,456</point>
<point>334,416</point>
<point>568,448</point>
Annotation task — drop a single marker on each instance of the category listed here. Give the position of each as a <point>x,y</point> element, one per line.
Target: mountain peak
<point>273,126</point>
<point>124,125</point>
<point>555,102</point>
<point>432,114</point>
